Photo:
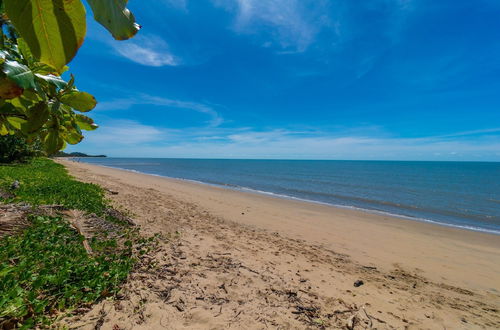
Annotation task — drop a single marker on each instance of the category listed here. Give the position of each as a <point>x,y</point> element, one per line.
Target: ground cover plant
<point>45,270</point>
<point>43,181</point>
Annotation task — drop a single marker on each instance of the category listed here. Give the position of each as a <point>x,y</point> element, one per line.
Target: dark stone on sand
<point>358,283</point>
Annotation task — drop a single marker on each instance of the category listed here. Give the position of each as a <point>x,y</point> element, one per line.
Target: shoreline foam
<point>287,197</point>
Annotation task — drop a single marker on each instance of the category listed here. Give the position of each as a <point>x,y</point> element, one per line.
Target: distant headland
<point>75,154</point>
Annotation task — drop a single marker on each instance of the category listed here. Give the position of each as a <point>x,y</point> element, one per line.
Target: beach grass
<point>45,271</point>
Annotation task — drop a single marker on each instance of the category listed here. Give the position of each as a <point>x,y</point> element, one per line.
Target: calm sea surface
<point>459,194</point>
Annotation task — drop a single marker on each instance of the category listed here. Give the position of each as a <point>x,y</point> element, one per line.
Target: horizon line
<point>312,159</point>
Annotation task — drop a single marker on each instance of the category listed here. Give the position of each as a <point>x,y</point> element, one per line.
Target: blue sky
<point>298,79</point>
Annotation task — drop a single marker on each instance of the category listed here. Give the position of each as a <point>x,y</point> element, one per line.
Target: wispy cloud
<point>295,25</point>
<point>287,24</point>
<point>144,99</point>
<point>178,4</point>
<point>405,5</point>
<point>149,50</point>
<point>473,132</point>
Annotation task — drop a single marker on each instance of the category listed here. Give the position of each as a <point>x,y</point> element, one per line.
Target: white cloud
<point>147,50</point>
<point>117,139</point>
<point>272,145</point>
<point>127,133</point>
<point>144,99</point>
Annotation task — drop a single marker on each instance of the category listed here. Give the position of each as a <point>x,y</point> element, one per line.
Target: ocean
<point>457,194</point>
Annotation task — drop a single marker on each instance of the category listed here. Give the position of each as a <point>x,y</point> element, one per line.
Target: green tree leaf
<point>20,105</point>
<point>16,122</point>
<point>25,50</point>
<point>115,17</point>
<point>43,69</point>
<point>73,136</point>
<point>85,123</point>
<point>3,129</point>
<point>37,117</point>
<point>19,73</point>
<point>53,141</point>
<point>9,89</point>
<point>9,108</point>
<point>80,101</point>
<point>53,29</point>
<point>51,79</point>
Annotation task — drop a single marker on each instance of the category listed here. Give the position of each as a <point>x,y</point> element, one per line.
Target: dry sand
<point>247,261</point>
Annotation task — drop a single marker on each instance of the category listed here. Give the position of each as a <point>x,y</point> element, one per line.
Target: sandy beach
<point>232,259</point>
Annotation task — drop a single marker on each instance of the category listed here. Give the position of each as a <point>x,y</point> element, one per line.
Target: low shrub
<point>15,149</point>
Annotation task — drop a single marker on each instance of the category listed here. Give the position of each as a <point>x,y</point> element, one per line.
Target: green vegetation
<point>16,149</point>
<point>44,182</point>
<point>45,271</point>
<point>38,38</point>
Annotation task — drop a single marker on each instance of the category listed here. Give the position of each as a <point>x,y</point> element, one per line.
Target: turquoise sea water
<point>460,194</point>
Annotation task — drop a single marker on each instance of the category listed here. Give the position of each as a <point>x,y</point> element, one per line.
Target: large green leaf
<point>115,17</point>
<point>85,123</point>
<point>72,136</point>
<point>53,141</point>
<point>19,73</point>
<point>53,29</point>
<point>80,101</point>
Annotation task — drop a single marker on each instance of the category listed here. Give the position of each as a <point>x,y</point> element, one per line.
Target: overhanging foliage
<point>38,38</point>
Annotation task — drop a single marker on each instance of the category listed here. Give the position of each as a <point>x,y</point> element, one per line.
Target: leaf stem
<point>14,115</point>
